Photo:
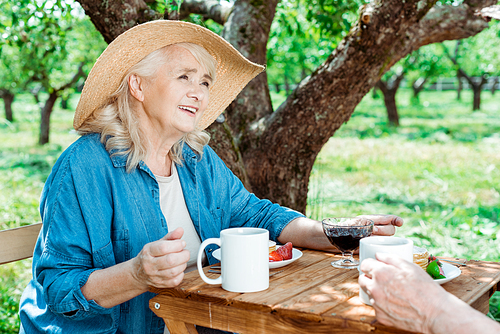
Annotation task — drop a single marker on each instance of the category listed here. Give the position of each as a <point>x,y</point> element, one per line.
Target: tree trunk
<point>45,118</point>
<point>276,149</point>
<point>64,102</point>
<point>46,110</point>
<point>494,86</point>
<point>477,92</point>
<point>392,109</point>
<point>8,99</point>
<point>477,87</point>
<point>35,91</point>
<point>476,105</point>
<point>418,86</point>
<point>389,91</point>
<point>459,87</point>
<point>287,85</point>
<point>112,18</point>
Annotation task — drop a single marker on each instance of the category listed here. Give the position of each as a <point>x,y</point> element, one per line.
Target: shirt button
<point>210,250</point>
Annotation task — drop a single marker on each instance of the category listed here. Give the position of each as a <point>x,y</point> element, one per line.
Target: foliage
<point>428,63</point>
<point>479,54</point>
<point>12,78</point>
<point>47,38</point>
<point>302,36</point>
<point>39,30</point>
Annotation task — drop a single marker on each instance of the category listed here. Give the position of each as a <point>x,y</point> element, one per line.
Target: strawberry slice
<point>274,257</point>
<point>285,251</point>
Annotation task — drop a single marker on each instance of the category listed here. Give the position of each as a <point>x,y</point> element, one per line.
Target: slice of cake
<point>272,246</point>
<point>420,257</point>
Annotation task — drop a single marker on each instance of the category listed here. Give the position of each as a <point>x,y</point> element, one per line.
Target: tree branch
<point>210,9</point>
<point>443,23</point>
<point>492,12</point>
<point>111,18</point>
<point>73,80</point>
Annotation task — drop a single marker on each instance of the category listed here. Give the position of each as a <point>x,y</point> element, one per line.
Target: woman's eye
<point>183,77</point>
<point>207,84</point>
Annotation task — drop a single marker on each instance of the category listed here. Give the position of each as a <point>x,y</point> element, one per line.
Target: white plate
<point>450,271</point>
<point>296,254</point>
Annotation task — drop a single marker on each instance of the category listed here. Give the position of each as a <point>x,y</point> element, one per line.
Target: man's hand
<point>402,294</point>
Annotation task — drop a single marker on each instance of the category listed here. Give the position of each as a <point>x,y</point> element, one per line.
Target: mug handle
<point>204,277</point>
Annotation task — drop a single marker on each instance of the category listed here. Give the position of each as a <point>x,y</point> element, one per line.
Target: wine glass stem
<point>347,257</point>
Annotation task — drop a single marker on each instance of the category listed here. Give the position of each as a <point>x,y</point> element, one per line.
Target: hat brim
<point>234,71</point>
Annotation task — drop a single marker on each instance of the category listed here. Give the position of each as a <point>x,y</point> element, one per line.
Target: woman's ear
<point>135,84</point>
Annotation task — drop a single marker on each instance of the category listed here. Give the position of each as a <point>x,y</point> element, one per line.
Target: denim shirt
<point>96,215</point>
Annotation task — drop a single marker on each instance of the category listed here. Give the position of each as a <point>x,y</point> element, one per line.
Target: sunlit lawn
<point>440,171</point>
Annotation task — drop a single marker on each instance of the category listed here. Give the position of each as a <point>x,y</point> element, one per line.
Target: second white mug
<point>399,247</point>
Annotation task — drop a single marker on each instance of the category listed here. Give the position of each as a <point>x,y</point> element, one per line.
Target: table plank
<point>247,321</point>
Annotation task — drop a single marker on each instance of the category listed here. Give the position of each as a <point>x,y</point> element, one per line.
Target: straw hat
<point>234,71</point>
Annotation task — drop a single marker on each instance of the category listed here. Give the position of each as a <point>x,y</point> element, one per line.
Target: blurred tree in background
<point>13,80</point>
<point>476,59</point>
<point>54,44</point>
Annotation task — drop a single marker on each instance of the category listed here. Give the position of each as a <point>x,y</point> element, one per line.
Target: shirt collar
<point>120,160</point>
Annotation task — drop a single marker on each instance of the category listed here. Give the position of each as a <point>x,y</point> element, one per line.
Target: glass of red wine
<point>345,233</point>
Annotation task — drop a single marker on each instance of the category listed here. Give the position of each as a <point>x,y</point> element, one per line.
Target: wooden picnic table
<point>307,296</point>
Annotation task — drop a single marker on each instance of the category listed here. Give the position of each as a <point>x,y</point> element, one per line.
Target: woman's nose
<point>196,92</point>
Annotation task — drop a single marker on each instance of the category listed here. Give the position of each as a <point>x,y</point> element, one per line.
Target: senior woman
<point>127,205</point>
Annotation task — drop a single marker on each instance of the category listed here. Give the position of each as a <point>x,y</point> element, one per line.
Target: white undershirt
<point>173,206</point>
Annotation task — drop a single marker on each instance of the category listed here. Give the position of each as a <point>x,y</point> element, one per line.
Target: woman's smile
<point>190,110</point>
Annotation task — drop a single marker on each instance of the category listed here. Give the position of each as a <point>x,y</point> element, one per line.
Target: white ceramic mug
<point>400,247</point>
<point>244,259</point>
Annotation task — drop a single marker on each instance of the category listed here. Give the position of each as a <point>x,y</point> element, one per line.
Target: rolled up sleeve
<point>62,288</point>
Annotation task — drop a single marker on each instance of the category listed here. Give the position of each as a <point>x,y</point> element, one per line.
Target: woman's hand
<point>384,224</point>
<point>161,263</point>
<point>402,294</point>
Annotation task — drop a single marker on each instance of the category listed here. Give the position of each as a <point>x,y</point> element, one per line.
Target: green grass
<point>440,171</point>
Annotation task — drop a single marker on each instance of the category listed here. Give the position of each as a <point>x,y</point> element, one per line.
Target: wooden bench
<point>18,243</point>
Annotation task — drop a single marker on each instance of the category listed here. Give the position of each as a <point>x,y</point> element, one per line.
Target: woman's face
<point>175,101</point>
